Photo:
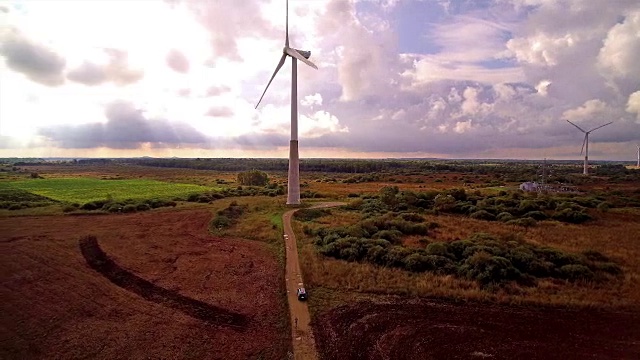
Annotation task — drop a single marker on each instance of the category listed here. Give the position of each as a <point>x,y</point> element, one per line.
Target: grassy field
<point>82,190</point>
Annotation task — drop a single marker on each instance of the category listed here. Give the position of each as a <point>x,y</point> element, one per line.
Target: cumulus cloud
<point>320,123</point>
<point>117,71</point>
<point>633,104</point>
<point>587,110</point>
<point>310,100</point>
<point>126,128</point>
<point>367,63</point>
<point>34,60</point>
<point>177,61</point>
<point>618,56</point>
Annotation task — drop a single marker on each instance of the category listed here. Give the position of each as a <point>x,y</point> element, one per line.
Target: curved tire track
<point>213,315</point>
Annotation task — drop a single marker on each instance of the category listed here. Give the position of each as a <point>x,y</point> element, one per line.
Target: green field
<point>83,190</point>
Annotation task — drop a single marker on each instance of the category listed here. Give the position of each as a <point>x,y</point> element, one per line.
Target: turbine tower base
<point>293,188</point>
<point>585,170</point>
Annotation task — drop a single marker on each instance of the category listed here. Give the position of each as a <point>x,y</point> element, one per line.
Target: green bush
<point>129,208</point>
<point>487,269</point>
<point>504,216</point>
<point>143,207</point>
<point>536,215</point>
<point>439,248</point>
<point>576,272</point>
<point>523,222</point>
<point>571,216</point>
<point>483,215</point>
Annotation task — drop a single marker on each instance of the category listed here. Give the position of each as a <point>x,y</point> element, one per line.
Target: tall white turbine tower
<point>586,142</point>
<point>293,192</point>
<point>638,164</point>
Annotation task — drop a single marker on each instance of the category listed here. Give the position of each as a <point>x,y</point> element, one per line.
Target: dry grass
<point>614,234</point>
<point>259,222</point>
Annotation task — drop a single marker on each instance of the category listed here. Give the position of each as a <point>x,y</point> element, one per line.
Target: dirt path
<point>303,341</point>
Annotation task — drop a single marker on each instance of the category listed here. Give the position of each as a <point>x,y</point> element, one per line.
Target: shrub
<point>603,207</point>
<point>413,217</point>
<point>504,216</point>
<point>536,215</point>
<point>94,205</point>
<point>310,214</point>
<point>114,208</point>
<point>418,263</point>
<point>393,236</point>
<point>571,216</point>
<point>438,248</point>
<point>482,215</point>
<point>576,272</point>
<point>488,269</point>
<point>129,208</point>
<point>253,178</point>
<point>143,207</point>
<point>219,222</point>
<point>524,222</point>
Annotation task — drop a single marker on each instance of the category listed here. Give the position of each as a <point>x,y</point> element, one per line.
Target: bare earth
<point>165,288</point>
<point>445,330</point>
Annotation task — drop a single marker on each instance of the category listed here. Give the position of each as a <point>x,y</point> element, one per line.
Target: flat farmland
<point>169,296</point>
<point>82,190</point>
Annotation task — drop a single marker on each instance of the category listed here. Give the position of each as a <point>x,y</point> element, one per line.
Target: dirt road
<point>303,341</point>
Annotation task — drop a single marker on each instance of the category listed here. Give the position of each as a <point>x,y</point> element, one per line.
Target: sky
<point>396,78</point>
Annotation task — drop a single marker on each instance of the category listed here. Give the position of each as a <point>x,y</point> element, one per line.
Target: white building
<point>529,186</point>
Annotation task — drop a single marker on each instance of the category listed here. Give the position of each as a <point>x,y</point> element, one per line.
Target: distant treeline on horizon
<point>478,166</point>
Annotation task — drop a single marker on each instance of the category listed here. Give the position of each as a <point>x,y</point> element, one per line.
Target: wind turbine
<point>638,164</point>
<point>293,188</point>
<point>586,142</point>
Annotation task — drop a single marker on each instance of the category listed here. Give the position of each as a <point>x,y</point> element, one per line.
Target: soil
<point>445,330</point>
<point>153,285</point>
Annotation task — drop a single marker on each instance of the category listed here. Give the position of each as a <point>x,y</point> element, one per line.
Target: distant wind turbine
<point>638,164</point>
<point>586,142</point>
<point>293,192</point>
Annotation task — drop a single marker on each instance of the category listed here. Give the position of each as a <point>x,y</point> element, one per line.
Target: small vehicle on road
<point>302,294</point>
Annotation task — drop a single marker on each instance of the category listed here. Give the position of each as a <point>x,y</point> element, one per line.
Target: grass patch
<point>83,190</point>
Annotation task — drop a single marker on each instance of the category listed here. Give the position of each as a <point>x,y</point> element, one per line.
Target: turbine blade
<point>576,126</point>
<point>294,53</point>
<point>286,39</point>
<point>583,142</point>
<point>601,126</point>
<point>282,59</point>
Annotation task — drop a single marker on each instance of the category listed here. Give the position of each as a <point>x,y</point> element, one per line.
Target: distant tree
<point>253,178</point>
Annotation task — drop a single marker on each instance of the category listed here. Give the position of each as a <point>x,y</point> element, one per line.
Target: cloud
<point>366,60</point>
<point>177,61</point>
<point>117,71</point>
<point>543,87</point>
<point>228,21</point>
<point>36,61</point>
<point>619,54</point>
<point>633,104</point>
<point>320,123</point>
<point>126,128</point>
<point>310,100</point>
<point>587,110</point>
<point>222,111</point>
<point>217,90</point>
<point>469,49</point>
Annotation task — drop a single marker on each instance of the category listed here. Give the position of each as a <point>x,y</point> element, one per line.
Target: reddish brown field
<point>202,297</point>
<point>444,330</point>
